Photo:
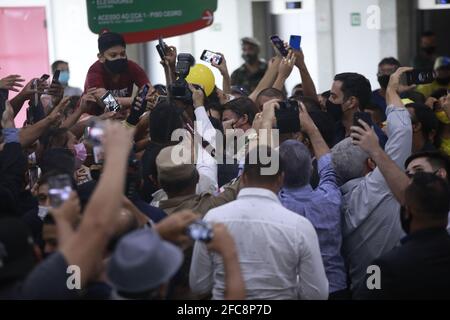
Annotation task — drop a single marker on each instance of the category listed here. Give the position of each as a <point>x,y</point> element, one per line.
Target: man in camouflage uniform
<point>250,73</point>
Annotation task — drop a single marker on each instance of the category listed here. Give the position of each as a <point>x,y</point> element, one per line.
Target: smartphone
<point>417,76</point>
<point>56,76</point>
<point>211,57</point>
<point>94,133</point>
<point>287,117</point>
<point>364,116</point>
<point>200,231</point>
<point>144,91</point>
<point>295,41</point>
<point>161,47</point>
<point>44,77</point>
<point>110,102</point>
<point>59,189</point>
<point>279,44</point>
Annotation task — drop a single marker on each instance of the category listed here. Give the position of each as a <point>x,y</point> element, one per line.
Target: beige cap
<point>172,166</point>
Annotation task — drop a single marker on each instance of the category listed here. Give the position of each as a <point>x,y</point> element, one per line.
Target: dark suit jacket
<point>418,269</point>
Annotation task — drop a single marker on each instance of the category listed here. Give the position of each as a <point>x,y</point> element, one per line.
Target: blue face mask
<point>64,77</point>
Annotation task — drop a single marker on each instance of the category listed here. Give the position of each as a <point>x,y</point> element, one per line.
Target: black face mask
<point>117,66</point>
<point>404,220</point>
<point>443,81</point>
<point>429,50</point>
<point>335,110</point>
<point>384,80</point>
<point>250,58</point>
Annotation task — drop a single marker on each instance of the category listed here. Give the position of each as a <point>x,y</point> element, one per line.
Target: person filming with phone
<point>114,72</point>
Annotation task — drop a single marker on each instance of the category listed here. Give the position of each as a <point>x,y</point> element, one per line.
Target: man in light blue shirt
<point>321,206</point>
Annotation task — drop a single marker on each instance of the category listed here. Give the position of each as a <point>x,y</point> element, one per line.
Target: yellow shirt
<point>428,89</point>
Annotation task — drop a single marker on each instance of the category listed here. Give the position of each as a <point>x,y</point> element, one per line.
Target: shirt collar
<point>258,192</point>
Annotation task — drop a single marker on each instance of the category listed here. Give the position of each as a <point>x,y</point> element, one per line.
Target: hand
<point>82,175</point>
<point>394,81</point>
<point>89,96</point>
<point>430,102</point>
<point>107,115</point>
<point>140,217</point>
<point>300,58</point>
<point>286,65</point>
<point>173,228</point>
<point>445,103</point>
<point>29,90</point>
<point>171,57</point>
<point>274,62</point>
<point>268,114</point>
<point>222,67</point>
<point>56,89</point>
<point>222,241</point>
<point>365,138</point>
<point>307,124</point>
<point>257,122</point>
<point>198,97</point>
<point>57,112</point>
<point>69,210</point>
<point>7,120</point>
<point>11,82</point>
<point>117,138</point>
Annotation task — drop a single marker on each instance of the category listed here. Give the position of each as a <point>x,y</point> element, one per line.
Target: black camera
<point>287,116</point>
<point>180,88</point>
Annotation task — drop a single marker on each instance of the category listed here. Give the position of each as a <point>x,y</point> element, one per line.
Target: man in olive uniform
<point>250,73</point>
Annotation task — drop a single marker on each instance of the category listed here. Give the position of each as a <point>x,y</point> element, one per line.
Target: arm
<point>206,164</point>
<point>319,145</point>
<point>268,79</point>
<point>284,70</point>
<point>85,249</point>
<point>224,245</point>
<point>309,88</point>
<point>396,179</point>
<point>226,81</point>
<point>30,134</point>
<point>83,108</point>
<point>27,93</point>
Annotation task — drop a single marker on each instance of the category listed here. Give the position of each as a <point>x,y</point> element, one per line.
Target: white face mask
<point>43,211</point>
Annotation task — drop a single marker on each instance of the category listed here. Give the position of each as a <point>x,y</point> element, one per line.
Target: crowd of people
<point>128,190</point>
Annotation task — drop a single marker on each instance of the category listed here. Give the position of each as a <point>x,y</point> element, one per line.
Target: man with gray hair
<point>321,206</point>
<point>370,223</point>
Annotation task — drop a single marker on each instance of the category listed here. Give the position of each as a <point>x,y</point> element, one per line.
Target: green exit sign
<point>355,18</point>
<point>144,20</point>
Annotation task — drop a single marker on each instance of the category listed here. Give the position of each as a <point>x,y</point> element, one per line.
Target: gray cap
<point>252,41</point>
<point>142,262</point>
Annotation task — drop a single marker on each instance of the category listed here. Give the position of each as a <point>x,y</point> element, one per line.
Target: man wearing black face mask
<point>114,72</point>
<point>418,269</point>
<point>427,54</point>
<point>251,72</point>
<point>386,67</point>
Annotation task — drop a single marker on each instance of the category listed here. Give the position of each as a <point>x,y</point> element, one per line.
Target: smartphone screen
<point>419,76</point>
<point>110,102</point>
<point>278,43</point>
<point>200,231</point>
<point>59,189</point>
<point>211,57</point>
<point>144,91</point>
<point>294,42</point>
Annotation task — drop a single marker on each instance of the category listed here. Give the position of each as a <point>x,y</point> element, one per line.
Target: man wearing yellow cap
<point>442,69</point>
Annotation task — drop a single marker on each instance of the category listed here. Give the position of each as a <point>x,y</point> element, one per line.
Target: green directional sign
<point>129,16</point>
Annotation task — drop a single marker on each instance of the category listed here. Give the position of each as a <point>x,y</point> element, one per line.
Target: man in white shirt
<point>278,250</point>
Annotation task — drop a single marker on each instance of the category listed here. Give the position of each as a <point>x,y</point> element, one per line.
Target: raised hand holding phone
<point>279,45</point>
